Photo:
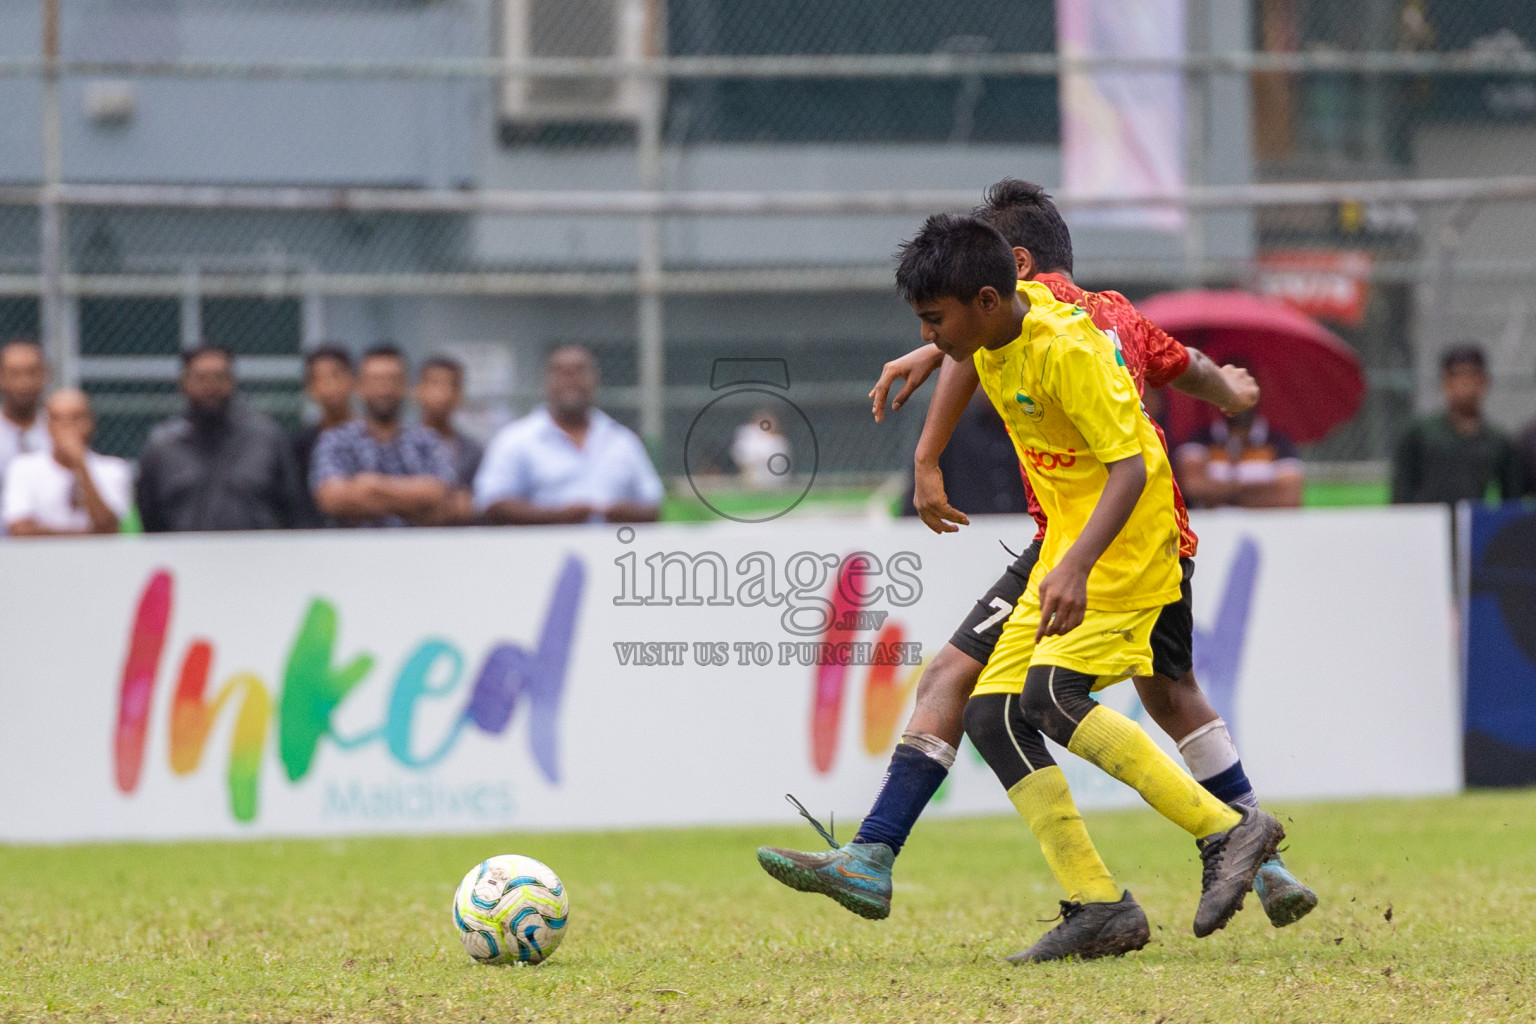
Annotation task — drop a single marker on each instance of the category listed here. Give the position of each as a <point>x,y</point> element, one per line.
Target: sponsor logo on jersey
<point>1045,462</point>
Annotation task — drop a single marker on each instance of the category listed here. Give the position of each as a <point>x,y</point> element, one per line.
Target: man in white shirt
<point>23,376</point>
<point>71,489</point>
<point>567,462</point>
<point>762,452</point>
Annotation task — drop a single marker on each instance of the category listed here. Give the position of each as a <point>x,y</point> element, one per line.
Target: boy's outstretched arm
<point>1064,590</point>
<point>957,383</point>
<point>913,368</point>
<point>1231,389</point>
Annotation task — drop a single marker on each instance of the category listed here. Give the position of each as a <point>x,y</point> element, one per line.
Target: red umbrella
<point>1310,377</point>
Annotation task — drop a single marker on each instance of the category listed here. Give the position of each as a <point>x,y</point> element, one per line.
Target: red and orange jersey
<point>1154,359</point>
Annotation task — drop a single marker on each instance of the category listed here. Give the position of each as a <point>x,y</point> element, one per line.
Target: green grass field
<point>1428,914</point>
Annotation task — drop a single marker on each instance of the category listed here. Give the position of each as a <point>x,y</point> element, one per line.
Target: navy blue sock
<point>910,783</point>
<point>1231,786</point>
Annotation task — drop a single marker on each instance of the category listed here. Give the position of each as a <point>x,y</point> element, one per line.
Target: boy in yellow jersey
<point>1108,565</point>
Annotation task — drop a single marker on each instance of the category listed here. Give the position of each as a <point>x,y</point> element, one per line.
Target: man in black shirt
<point>439,393</point>
<point>221,465</point>
<point>1456,455</point>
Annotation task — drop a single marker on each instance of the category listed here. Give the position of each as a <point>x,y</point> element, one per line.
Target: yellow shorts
<point>1110,645</point>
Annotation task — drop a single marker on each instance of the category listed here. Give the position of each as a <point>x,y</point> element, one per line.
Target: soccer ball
<point>510,909</point>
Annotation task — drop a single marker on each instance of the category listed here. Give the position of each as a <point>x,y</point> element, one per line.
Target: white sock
<point>1209,750</point>
<point>931,745</point>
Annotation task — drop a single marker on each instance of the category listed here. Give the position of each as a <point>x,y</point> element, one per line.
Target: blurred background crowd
<point>382,446</point>
<point>672,183</point>
<point>361,462</point>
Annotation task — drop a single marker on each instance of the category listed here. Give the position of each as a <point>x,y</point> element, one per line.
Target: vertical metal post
<point>1377,90</point>
<point>312,311</point>
<point>649,312</point>
<point>1196,93</point>
<point>191,307</point>
<point>1436,286</point>
<point>55,320</point>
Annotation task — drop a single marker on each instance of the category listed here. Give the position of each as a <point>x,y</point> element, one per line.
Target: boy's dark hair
<point>954,257</point>
<point>1464,353</point>
<point>192,355</point>
<point>1024,214</point>
<point>386,350</point>
<point>448,363</point>
<point>328,351</point>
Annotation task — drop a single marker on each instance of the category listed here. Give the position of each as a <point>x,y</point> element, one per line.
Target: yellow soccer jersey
<point>1071,406</point>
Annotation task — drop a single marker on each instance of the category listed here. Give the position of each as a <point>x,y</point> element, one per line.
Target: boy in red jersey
<point>1024,214</point>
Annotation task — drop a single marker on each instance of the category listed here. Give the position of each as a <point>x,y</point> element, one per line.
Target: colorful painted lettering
<point>316,682</point>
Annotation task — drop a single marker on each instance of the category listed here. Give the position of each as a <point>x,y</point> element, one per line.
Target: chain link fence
<point>482,177</point>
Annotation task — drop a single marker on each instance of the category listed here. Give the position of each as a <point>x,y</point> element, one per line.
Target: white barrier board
<point>450,681</point>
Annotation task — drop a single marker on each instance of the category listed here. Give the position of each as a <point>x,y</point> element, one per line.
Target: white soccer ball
<point>509,910</point>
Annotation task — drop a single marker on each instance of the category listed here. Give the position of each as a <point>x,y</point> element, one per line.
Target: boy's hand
<point>914,368</point>
<point>1245,390</point>
<point>1063,600</point>
<point>932,503</point>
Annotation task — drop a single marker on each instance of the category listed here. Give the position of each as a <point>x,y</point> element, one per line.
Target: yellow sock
<point>1119,746</point>
<point>1044,801</point>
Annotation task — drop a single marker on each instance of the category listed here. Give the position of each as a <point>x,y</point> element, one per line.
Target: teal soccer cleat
<point>857,875</point>
<point>1285,899</point>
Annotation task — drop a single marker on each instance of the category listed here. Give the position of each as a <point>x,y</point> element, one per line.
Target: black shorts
<point>979,633</point>
<point>1173,638</point>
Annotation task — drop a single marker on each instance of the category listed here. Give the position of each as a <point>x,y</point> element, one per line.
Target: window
<point>1015,109</point>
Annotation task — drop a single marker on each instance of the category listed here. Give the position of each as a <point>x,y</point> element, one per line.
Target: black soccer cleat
<point>1231,859</point>
<point>1091,930</point>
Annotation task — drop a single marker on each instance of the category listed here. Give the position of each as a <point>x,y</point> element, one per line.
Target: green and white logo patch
<point>1029,405</point>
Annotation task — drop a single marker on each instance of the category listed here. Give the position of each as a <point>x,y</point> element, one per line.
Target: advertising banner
<point>1122,131</point>
<point>1331,284</point>
<point>476,680</point>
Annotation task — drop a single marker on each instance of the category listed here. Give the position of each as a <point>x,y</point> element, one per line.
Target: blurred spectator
<point>761,452</point>
<point>439,392</point>
<point>328,383</point>
<point>1242,462</point>
<point>221,465</point>
<point>980,466</point>
<point>70,489</point>
<point>23,376</point>
<point>378,471</point>
<point>567,462</point>
<point>1455,455</point>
